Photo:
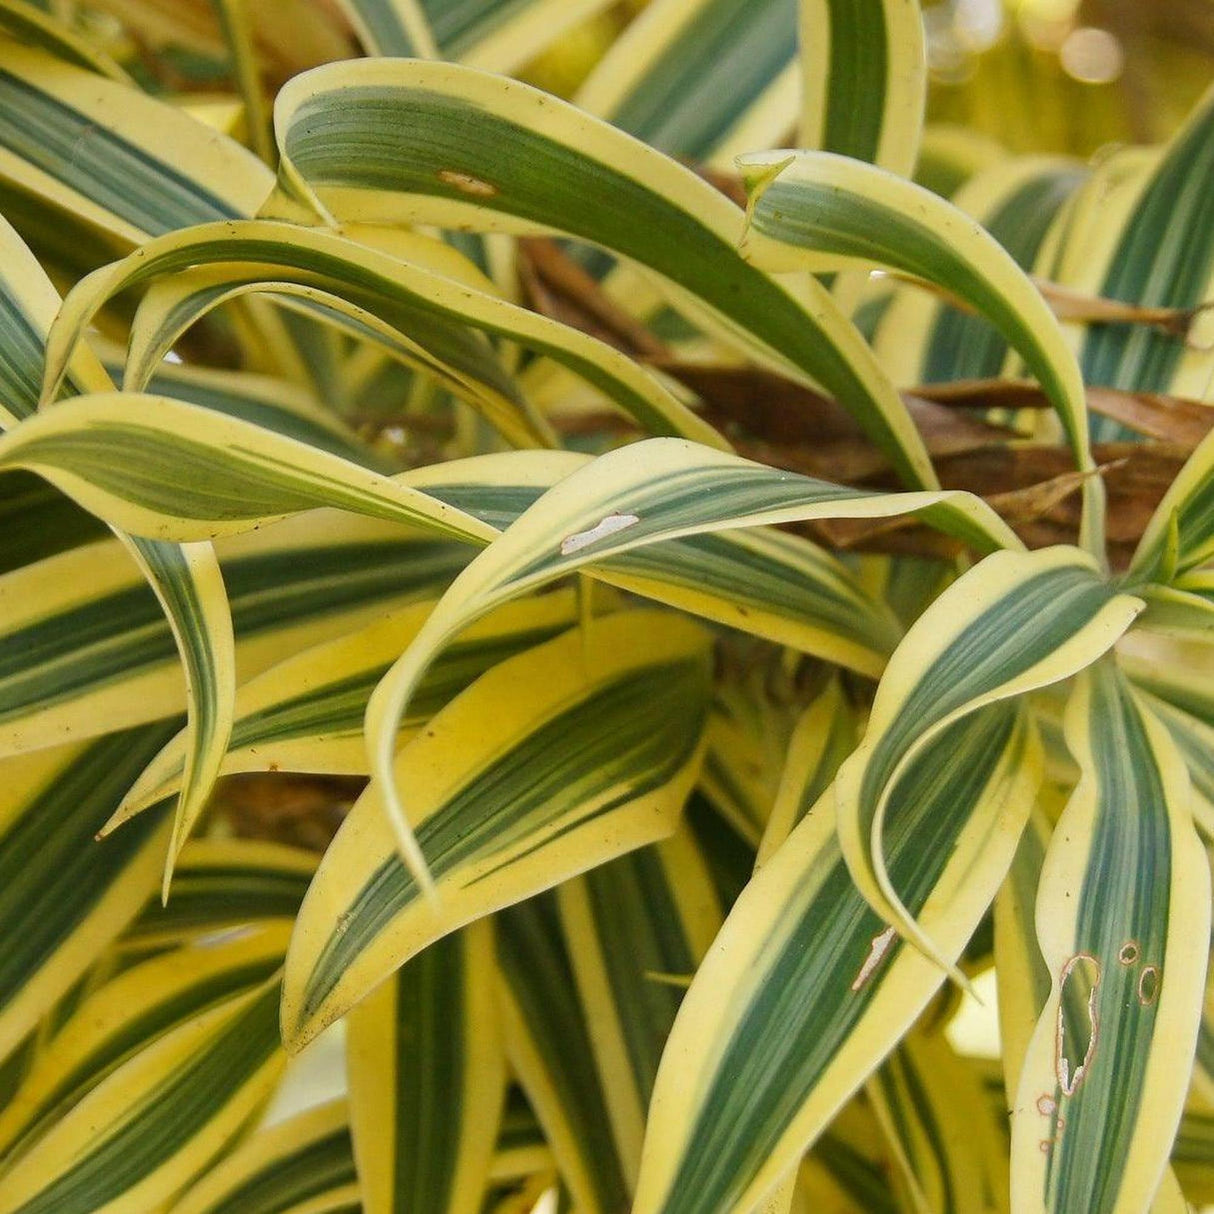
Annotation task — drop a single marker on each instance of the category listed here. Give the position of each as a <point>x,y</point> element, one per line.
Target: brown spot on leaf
<point>466,183</point>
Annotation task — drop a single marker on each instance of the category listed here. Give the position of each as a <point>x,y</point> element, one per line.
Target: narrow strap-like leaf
<point>702,79</point>
<point>285,1169</point>
<point>636,930</point>
<point>427,1075</point>
<point>820,211</point>
<point>135,1009</point>
<point>498,155</point>
<point>1123,918</point>
<point>548,1044</point>
<point>188,473</point>
<point>863,80</point>
<point>1015,622</point>
<point>557,759</point>
<point>657,490</point>
<point>805,990</point>
<point>63,896</point>
<point>157,1121</point>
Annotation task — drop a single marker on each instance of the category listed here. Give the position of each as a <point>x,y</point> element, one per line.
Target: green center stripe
<point>631,735</point>
<point>139,1033</point>
<point>855,103</point>
<point>965,346</point>
<point>52,871</point>
<point>841,222</point>
<point>291,1180</point>
<point>640,933</point>
<point>122,634</point>
<point>534,961</point>
<point>165,1121</point>
<point>1124,898</point>
<point>37,521</point>
<point>430,1074</point>
<point>749,575</point>
<point>1163,259</point>
<point>418,141</point>
<point>174,475</point>
<point>679,105</point>
<point>339,707</point>
<point>214,898</point>
<point>458,25</point>
<point>71,147</point>
<point>803,1008</point>
<point>22,350</point>
<point>1011,636</point>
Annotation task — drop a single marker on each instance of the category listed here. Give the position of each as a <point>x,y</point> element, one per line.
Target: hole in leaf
<point>1148,985</point>
<point>1078,1023</point>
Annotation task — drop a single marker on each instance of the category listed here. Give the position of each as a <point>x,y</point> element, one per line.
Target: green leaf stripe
<point>804,996</point>
<point>43,129</point>
<point>538,972</point>
<point>680,103</point>
<point>1164,258</point>
<point>164,1008</point>
<point>962,345</point>
<point>52,872</point>
<point>317,1167</point>
<point>119,635</point>
<point>220,886</point>
<point>165,1121</point>
<point>1121,994</point>
<point>513,140</point>
<point>632,734</point>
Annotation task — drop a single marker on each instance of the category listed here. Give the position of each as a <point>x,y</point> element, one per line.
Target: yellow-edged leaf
<point>1123,921</point>
<point>557,759</point>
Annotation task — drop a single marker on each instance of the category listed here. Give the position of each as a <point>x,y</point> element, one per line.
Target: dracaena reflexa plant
<point>689,661</point>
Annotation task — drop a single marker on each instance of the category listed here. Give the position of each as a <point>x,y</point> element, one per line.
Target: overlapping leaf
<point>63,896</point>
<point>554,760</point>
<point>549,1046</point>
<point>1123,921</point>
<point>499,155</point>
<point>1015,622</point>
<point>158,1120</point>
<point>805,989</point>
<point>657,490</point>
<point>636,930</point>
<point>820,211</point>
<point>427,1075</point>
<point>130,1013</point>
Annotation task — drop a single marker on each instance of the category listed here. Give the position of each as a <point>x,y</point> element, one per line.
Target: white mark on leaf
<point>876,950</point>
<point>227,935</point>
<point>608,526</point>
<point>1129,952</point>
<point>1046,1106</point>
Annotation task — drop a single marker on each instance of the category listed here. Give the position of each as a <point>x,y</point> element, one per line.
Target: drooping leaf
<point>628,499</point>
<point>805,989</point>
<point>499,155</point>
<point>820,211</point>
<point>555,760</point>
<point>1013,623</point>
